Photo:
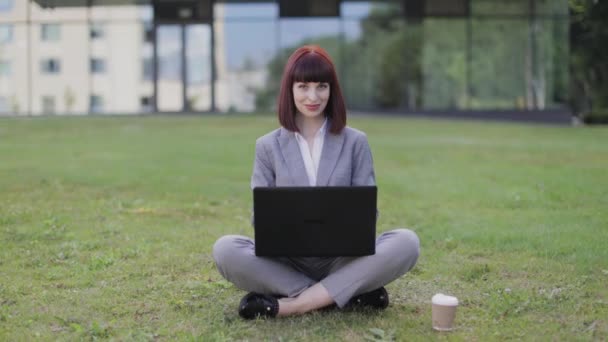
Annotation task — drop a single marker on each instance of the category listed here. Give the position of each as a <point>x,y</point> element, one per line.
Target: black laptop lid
<point>315,221</point>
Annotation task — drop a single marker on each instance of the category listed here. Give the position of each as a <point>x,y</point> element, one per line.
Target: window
<point>96,30</point>
<point>5,68</point>
<point>268,9</point>
<point>3,104</point>
<point>96,104</point>
<point>146,103</point>
<point>48,104</point>
<point>147,69</point>
<point>148,32</point>
<point>6,33</point>
<point>50,66</point>
<point>247,53</point>
<point>50,32</point>
<point>98,66</point>
<point>6,5</point>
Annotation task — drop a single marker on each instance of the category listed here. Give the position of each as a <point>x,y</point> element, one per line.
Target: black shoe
<point>377,299</point>
<point>258,305</point>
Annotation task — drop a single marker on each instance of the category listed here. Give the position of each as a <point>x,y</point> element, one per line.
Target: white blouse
<point>312,158</point>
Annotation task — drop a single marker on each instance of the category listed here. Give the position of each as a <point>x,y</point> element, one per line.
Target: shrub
<point>596,117</point>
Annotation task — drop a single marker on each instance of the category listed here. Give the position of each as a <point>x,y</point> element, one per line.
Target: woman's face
<point>311,97</point>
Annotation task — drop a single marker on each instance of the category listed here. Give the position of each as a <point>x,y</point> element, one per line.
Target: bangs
<point>310,63</point>
<point>312,67</point>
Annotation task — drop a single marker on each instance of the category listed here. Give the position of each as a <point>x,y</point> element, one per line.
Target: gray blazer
<point>346,160</point>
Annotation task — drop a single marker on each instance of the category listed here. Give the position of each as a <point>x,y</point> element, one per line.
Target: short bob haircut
<point>311,63</point>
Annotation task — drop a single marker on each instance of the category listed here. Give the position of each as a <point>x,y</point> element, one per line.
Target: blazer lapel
<point>332,146</point>
<point>293,157</point>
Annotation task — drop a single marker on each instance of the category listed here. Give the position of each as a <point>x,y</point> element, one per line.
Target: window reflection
<point>50,66</point>
<point>324,32</point>
<point>5,68</point>
<point>169,50</point>
<point>50,32</point>
<point>244,51</point>
<point>499,7</point>
<point>13,10</point>
<point>443,63</point>
<point>4,105</point>
<point>381,61</point>
<point>501,68</point>
<point>514,57</point>
<point>198,64</point>
<point>6,33</point>
<point>551,70</point>
<point>258,10</point>
<point>48,104</point>
<point>552,7</point>
<point>96,30</point>
<point>96,104</point>
<point>6,5</point>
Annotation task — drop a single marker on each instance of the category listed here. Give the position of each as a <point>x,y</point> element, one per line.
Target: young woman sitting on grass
<point>313,118</point>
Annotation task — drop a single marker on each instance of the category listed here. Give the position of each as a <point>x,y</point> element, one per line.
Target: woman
<point>313,147</point>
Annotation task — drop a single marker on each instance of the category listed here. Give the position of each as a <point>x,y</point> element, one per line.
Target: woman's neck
<point>309,126</point>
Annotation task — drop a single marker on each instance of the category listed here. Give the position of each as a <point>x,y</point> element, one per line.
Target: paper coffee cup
<point>444,311</point>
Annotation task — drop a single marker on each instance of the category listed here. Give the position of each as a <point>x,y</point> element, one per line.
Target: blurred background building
<point>134,56</point>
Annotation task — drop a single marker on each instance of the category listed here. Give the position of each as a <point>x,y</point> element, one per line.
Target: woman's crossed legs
<point>306,284</point>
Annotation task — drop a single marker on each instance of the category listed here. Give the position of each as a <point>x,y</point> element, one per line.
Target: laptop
<point>315,221</point>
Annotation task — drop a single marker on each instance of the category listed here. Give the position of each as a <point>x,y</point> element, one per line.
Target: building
<point>134,56</point>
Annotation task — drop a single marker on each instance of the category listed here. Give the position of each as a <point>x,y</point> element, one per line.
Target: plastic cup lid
<point>441,299</point>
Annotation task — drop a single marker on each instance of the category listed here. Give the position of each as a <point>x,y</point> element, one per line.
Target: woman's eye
<point>323,85</point>
<point>302,86</point>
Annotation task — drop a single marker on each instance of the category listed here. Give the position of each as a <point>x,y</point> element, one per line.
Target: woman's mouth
<point>312,107</point>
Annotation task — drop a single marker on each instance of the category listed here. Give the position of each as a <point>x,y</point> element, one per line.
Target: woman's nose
<point>312,94</point>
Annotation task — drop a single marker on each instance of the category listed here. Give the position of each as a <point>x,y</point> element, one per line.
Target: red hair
<point>311,63</point>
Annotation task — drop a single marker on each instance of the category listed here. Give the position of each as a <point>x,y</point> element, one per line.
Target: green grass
<point>107,224</point>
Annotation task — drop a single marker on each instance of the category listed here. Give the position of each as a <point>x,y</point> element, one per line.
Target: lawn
<point>107,225</point>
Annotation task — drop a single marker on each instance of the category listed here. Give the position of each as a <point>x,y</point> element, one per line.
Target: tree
<point>408,63</point>
<point>69,98</point>
<point>589,53</point>
<point>382,66</point>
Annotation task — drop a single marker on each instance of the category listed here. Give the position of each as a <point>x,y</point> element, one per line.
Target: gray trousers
<point>344,277</point>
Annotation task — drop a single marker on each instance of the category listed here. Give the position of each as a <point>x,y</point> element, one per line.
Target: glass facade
<point>118,57</point>
<point>6,33</point>
<point>5,68</point>
<point>501,81</point>
<point>246,40</point>
<point>197,75</point>
<point>443,64</point>
<point>170,64</point>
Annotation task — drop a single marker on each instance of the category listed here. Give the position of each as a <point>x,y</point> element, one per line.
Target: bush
<point>596,117</point>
